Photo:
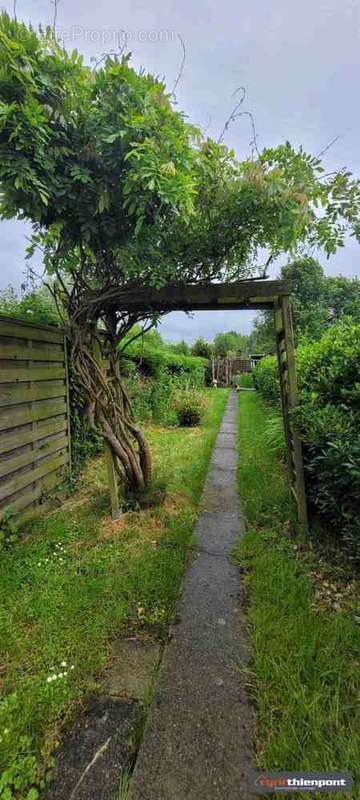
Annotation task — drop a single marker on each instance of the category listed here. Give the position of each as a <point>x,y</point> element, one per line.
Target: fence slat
<point>14,329</point>
<point>14,440</point>
<point>10,396</point>
<point>31,456</point>
<point>20,374</point>
<point>10,418</point>
<point>54,353</point>
<point>32,495</point>
<point>18,482</point>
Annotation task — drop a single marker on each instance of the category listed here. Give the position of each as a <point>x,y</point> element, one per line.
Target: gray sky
<point>298,62</point>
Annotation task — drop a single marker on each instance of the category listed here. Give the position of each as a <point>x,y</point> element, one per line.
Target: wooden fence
<point>224,368</point>
<point>34,415</point>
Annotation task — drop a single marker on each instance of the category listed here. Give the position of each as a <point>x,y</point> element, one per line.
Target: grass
<point>77,580</point>
<point>124,786</point>
<point>305,676</point>
<point>245,380</point>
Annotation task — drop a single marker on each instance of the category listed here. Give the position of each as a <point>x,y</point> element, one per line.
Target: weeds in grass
<point>124,786</point>
<point>66,590</point>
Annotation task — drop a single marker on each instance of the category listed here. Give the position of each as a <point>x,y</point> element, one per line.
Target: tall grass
<point>305,657</point>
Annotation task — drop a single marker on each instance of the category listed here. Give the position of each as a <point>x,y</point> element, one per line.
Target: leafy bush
<point>151,397</point>
<point>266,379</point>
<point>152,361</point>
<point>328,419</point>
<point>156,377</point>
<point>33,305</point>
<point>189,407</point>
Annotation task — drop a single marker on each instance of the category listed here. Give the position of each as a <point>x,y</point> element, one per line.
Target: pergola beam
<point>206,297</point>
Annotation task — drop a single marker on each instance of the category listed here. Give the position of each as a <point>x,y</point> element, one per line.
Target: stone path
<point>198,739</point>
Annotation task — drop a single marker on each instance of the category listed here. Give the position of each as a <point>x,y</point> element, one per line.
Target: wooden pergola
<point>250,294</point>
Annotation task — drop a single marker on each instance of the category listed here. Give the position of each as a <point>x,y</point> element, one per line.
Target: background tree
<point>31,305</point>
<point>180,347</point>
<point>317,302</point>
<point>122,194</point>
<point>306,280</point>
<point>230,343</point>
<point>342,298</point>
<point>262,336</point>
<point>202,348</point>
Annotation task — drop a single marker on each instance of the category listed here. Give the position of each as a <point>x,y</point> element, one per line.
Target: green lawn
<point>305,671</point>
<point>77,581</point>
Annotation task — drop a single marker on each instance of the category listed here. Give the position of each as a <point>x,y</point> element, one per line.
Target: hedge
<point>153,360</point>
<point>328,420</point>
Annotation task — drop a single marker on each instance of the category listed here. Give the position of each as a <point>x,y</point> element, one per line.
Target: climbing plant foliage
<point>122,192</point>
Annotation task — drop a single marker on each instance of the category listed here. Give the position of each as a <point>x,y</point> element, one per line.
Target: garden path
<point>198,739</point>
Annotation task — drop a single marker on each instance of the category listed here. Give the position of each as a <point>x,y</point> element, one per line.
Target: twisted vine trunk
<point>108,408</point>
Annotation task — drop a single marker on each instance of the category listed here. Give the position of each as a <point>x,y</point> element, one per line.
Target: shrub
<point>266,379</point>
<point>188,414</point>
<point>152,361</point>
<point>189,407</point>
<point>156,377</point>
<point>328,419</point>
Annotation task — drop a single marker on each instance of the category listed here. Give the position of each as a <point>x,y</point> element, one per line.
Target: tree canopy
<point>230,343</point>
<point>123,192</point>
<point>121,188</point>
<point>318,301</point>
<point>202,348</point>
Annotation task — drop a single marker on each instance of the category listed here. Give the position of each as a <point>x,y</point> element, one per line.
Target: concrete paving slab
<point>226,440</point>
<point>225,458</point>
<point>218,498</point>
<point>229,427</point>
<point>198,739</point>
<point>132,668</point>
<point>95,752</point>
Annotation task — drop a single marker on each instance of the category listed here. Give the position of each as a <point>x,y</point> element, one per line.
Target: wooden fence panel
<point>34,413</point>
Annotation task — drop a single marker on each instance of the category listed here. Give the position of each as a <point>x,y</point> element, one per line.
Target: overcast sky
<point>299,63</point>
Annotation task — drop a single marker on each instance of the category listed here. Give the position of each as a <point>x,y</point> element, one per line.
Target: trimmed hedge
<point>328,419</point>
<point>266,379</point>
<point>152,360</point>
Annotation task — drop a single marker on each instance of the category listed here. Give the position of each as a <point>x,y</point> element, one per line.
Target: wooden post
<point>289,400</point>
<point>109,456</point>
<point>280,347</point>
